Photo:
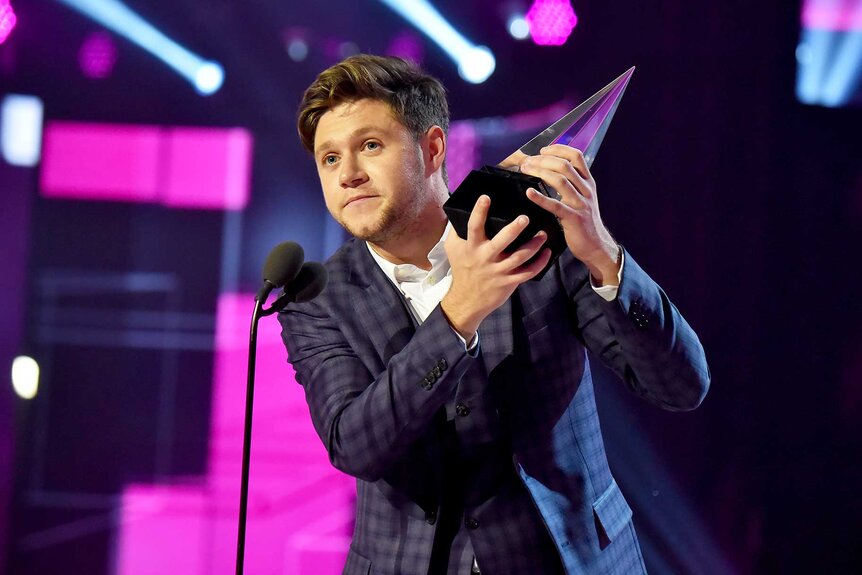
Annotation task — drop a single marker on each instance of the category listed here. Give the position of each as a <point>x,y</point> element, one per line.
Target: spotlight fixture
<point>475,63</point>
<point>206,76</point>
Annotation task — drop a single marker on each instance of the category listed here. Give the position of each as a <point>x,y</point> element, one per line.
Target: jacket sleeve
<point>640,335</point>
<point>368,421</point>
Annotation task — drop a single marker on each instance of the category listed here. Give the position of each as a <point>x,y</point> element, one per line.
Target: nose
<point>352,175</point>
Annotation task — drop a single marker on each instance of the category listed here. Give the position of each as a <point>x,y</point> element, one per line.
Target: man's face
<point>371,170</point>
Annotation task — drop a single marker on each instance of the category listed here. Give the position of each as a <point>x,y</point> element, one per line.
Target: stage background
<point>742,202</point>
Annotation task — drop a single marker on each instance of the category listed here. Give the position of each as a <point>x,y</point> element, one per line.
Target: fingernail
<point>523,220</point>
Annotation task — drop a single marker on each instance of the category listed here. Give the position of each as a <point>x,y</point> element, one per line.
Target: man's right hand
<point>484,275</point>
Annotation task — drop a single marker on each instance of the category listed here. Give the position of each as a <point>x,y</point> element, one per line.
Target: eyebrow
<point>357,133</point>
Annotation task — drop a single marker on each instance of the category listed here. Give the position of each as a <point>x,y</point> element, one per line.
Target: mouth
<point>359,199</point>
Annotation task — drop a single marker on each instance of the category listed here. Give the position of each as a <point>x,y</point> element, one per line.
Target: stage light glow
<point>297,50</point>
<point>7,20</point>
<point>25,376</point>
<point>21,129</point>
<point>843,77</point>
<point>829,55</point>
<point>207,77</point>
<point>408,46</point>
<point>518,27</point>
<point>551,21</point>
<point>97,55</point>
<point>475,63</point>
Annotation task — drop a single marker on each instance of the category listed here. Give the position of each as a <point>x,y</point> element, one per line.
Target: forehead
<point>349,118</point>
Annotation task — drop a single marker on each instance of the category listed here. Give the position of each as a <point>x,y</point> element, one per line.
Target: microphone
<point>306,286</point>
<point>282,265</point>
<point>302,281</point>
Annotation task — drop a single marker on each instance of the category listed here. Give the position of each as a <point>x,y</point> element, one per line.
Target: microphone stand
<point>249,408</point>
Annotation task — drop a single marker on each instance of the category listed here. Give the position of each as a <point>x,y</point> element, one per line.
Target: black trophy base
<point>508,193</point>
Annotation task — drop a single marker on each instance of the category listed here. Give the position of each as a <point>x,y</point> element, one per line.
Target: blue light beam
<point>206,76</point>
<point>846,70</point>
<point>475,63</point>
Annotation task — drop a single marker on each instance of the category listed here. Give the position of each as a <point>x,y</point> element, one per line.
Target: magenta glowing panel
<point>836,15</point>
<point>97,55</point>
<point>208,168</point>
<point>101,162</point>
<point>551,21</point>
<point>300,511</point>
<point>7,20</point>
<point>199,168</point>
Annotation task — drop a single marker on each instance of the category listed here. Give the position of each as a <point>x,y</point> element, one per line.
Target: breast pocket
<point>612,514</point>
<point>356,564</point>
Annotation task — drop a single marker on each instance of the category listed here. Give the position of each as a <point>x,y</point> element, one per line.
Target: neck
<point>413,247</point>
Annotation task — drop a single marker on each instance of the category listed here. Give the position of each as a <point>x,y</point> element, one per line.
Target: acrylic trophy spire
<point>583,128</point>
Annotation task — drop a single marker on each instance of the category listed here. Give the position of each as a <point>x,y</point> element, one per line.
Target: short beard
<point>387,227</point>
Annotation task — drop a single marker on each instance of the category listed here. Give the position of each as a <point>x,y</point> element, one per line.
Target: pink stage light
<point>7,20</point>
<point>838,15</point>
<point>551,21</point>
<point>300,511</point>
<point>198,168</point>
<point>97,55</point>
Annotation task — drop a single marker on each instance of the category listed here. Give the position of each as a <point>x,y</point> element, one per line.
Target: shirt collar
<point>400,273</point>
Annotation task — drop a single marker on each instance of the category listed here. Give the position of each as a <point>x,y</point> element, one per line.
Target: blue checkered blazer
<point>375,385</point>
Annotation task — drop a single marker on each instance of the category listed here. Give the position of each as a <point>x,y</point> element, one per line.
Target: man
<point>456,391</point>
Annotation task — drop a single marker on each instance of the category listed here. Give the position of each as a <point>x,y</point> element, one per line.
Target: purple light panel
<point>7,20</point>
<point>408,46</point>
<point>198,168</point>
<point>97,55</point>
<point>462,154</point>
<point>551,21</point>
<point>300,511</point>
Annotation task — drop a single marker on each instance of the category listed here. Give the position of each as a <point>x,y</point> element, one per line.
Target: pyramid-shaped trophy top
<point>584,127</point>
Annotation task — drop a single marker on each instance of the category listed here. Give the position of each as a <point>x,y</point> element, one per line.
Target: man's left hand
<point>563,170</point>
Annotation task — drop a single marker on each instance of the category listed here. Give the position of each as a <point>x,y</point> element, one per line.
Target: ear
<point>435,149</point>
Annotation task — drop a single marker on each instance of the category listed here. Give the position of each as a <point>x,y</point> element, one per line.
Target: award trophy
<point>583,128</point>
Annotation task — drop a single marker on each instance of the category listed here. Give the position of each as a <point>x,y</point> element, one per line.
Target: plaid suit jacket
<point>374,383</point>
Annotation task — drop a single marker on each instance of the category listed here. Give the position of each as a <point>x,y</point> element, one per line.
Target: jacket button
<point>442,364</point>
<point>431,517</point>
<point>462,410</point>
<point>471,523</point>
<point>437,372</point>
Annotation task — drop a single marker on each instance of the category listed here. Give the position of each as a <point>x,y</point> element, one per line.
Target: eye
<point>330,159</point>
<point>372,145</point>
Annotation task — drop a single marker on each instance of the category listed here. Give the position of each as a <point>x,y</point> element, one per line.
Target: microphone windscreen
<point>283,263</point>
<point>309,282</point>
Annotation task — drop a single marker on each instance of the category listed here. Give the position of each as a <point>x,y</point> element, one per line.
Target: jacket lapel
<point>389,327</point>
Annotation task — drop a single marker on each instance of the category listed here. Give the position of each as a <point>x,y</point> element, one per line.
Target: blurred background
<point>150,161</point>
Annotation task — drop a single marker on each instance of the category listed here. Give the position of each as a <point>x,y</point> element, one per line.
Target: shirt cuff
<point>609,293</point>
<point>473,347</point>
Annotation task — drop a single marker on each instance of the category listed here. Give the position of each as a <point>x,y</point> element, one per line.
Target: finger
<point>513,160</point>
<point>556,207</point>
<point>525,252</point>
<point>533,267</point>
<point>476,223</point>
<point>508,234</point>
<point>559,175</point>
<point>573,155</point>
